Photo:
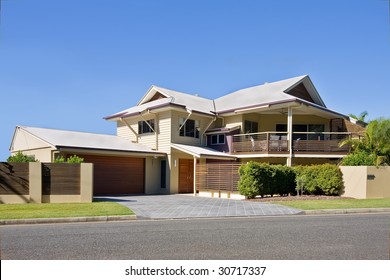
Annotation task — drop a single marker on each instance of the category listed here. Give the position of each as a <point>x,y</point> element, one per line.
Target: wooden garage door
<point>117,175</point>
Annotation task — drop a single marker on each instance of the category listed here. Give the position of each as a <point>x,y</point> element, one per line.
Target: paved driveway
<point>188,206</point>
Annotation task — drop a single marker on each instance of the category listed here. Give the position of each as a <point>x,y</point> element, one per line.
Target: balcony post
<point>289,135</point>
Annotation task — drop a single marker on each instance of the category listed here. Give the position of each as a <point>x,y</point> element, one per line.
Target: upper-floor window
<point>251,127</point>
<point>190,128</point>
<point>146,126</point>
<point>218,139</point>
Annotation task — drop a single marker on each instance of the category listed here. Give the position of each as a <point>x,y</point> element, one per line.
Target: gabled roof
<point>266,94</point>
<point>168,98</point>
<point>82,140</point>
<point>297,91</point>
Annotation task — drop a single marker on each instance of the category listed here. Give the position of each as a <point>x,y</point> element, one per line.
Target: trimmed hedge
<point>264,179</point>
<point>325,179</point>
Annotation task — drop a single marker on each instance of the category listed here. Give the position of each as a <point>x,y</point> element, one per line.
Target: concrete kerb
<point>134,217</point>
<point>68,220</point>
<point>346,211</point>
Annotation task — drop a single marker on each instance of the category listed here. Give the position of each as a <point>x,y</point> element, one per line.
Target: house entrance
<point>186,176</point>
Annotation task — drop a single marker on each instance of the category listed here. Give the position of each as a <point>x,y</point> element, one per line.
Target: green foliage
<point>359,158</point>
<point>248,184</point>
<point>284,181</point>
<point>374,146</point>
<point>20,157</point>
<point>264,179</point>
<point>75,159</point>
<point>325,179</point>
<point>361,117</point>
<point>72,159</point>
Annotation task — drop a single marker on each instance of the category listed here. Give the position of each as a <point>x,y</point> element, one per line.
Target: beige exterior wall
<point>147,139</point>
<point>164,132</point>
<point>233,121</point>
<point>153,176</point>
<point>275,160</point>
<point>123,131</point>
<point>357,184</point>
<point>311,161</point>
<point>175,135</point>
<point>269,122</point>
<point>42,155</point>
<point>24,141</point>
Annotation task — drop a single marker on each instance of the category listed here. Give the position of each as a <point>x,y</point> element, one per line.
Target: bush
<point>264,179</point>
<point>248,184</point>
<point>72,159</point>
<point>359,158</point>
<point>284,180</point>
<point>323,179</point>
<point>20,157</point>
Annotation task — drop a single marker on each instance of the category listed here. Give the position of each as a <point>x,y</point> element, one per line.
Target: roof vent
<point>197,95</point>
<point>266,83</point>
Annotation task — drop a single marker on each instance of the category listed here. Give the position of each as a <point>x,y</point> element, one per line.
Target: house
<point>173,134</point>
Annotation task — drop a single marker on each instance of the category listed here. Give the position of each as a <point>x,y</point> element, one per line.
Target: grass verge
<point>337,203</point>
<point>62,210</point>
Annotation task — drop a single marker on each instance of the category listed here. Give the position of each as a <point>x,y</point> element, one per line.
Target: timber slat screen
<point>60,179</point>
<point>217,176</point>
<point>14,178</point>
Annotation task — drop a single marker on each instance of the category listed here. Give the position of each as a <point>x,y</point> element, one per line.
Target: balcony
<point>325,143</point>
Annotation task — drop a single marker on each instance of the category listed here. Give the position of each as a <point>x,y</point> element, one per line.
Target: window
<point>317,128</point>
<point>218,139</point>
<point>190,128</point>
<point>145,126</point>
<point>251,127</point>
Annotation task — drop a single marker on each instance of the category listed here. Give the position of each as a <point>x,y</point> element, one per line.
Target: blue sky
<point>67,64</point>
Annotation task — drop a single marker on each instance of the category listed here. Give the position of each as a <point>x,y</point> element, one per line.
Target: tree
<point>361,117</point>
<point>373,147</point>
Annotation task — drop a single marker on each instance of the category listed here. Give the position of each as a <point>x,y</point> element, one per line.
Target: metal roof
<point>84,140</point>
<point>201,151</point>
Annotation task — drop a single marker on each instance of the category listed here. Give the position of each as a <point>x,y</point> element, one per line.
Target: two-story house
<point>283,122</point>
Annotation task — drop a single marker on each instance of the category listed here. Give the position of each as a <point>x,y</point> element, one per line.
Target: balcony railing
<point>303,142</point>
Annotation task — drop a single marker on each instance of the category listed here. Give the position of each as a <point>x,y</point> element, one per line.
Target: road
<point>364,236</point>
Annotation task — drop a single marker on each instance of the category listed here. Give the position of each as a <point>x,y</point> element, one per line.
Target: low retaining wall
<point>366,181</point>
<point>37,182</point>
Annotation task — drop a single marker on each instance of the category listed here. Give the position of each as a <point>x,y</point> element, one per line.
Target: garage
<point>115,175</point>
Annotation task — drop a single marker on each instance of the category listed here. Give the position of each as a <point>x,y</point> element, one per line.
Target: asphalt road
<point>364,236</point>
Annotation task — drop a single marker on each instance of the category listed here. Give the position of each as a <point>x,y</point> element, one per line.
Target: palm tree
<point>375,143</point>
<point>361,117</point>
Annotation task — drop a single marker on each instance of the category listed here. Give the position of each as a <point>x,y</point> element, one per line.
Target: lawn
<point>337,203</point>
<point>62,210</point>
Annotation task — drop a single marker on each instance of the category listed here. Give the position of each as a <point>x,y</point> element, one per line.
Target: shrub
<point>20,157</point>
<point>323,179</point>
<point>284,180</point>
<point>72,159</point>
<point>359,158</point>
<point>264,179</point>
<point>248,184</point>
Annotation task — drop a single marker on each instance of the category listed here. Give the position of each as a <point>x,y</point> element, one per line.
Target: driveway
<point>187,206</point>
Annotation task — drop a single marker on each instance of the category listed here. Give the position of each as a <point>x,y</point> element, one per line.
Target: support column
<point>194,175</point>
<point>289,136</point>
<point>35,182</point>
